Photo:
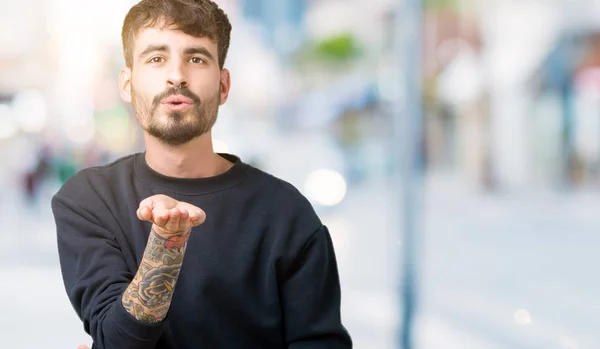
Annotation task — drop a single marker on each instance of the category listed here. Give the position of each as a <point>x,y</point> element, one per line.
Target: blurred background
<point>503,97</point>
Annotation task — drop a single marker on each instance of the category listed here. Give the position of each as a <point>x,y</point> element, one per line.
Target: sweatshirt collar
<point>192,186</point>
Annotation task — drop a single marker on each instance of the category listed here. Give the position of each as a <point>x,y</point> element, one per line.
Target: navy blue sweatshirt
<point>259,273</point>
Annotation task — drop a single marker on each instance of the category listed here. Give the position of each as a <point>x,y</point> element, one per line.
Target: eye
<point>156,60</point>
<point>197,60</point>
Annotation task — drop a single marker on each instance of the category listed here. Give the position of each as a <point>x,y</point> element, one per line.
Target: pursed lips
<point>177,102</point>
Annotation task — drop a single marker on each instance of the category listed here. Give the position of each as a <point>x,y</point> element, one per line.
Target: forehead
<point>172,38</point>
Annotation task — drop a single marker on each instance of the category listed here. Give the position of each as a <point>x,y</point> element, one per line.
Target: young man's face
<point>175,84</point>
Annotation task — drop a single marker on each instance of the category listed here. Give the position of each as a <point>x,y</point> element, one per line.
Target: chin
<point>175,142</point>
<point>175,135</point>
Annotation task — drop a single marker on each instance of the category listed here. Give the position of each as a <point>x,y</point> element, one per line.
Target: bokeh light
<point>326,187</point>
<point>522,317</point>
<point>30,111</point>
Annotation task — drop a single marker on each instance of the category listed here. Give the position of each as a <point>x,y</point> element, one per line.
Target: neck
<point>195,159</point>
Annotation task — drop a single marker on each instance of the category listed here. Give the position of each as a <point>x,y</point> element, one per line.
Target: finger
<point>83,347</point>
<point>197,217</point>
<point>148,202</point>
<point>173,223</point>
<point>160,217</point>
<point>144,213</point>
<point>184,215</point>
<point>185,221</point>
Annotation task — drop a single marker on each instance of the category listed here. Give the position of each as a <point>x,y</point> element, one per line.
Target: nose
<point>177,77</point>
<point>177,83</point>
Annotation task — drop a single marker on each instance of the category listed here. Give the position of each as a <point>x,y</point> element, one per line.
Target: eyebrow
<point>154,48</point>
<point>199,50</point>
<point>187,51</point>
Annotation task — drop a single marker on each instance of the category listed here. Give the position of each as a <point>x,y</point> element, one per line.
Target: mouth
<point>177,103</point>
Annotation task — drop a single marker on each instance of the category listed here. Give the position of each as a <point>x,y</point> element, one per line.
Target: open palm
<point>170,216</point>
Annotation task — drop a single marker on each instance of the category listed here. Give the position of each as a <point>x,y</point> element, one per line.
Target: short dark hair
<point>200,18</point>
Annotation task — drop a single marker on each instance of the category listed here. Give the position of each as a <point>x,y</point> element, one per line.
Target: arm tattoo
<point>149,295</point>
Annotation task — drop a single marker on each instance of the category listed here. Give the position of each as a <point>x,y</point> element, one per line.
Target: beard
<point>180,127</point>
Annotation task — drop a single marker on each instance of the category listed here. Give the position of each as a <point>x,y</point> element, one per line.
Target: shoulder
<point>279,190</point>
<point>93,181</point>
<point>288,206</point>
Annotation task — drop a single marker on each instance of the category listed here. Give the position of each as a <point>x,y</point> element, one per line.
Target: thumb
<point>144,213</point>
<point>83,347</point>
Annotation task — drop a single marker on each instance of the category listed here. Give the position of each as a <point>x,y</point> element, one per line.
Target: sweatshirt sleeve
<point>311,298</point>
<point>95,276</point>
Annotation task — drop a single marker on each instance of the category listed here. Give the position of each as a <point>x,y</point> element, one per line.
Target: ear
<point>225,85</point>
<point>125,84</point>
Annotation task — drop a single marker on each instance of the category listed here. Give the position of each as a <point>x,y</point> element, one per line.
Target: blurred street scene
<point>508,230</point>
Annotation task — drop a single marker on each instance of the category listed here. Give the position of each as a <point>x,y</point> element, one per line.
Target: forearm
<point>148,297</point>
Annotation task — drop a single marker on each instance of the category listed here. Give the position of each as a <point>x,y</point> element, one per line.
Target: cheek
<point>145,85</point>
<point>206,80</point>
<point>208,83</point>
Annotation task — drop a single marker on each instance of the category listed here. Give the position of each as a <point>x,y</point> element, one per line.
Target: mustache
<point>183,91</point>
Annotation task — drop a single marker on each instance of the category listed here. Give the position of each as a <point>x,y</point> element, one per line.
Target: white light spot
<point>30,111</point>
<point>81,133</point>
<point>326,187</point>
<point>522,317</point>
<point>328,18</point>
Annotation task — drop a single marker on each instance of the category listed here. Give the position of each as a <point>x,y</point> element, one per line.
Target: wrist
<point>167,234</point>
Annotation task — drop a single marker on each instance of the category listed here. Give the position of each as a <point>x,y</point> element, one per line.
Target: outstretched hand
<point>169,216</point>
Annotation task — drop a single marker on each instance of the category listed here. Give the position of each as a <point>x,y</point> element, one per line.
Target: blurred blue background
<point>506,234</point>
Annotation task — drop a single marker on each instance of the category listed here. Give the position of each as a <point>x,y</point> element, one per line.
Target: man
<point>179,247</point>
